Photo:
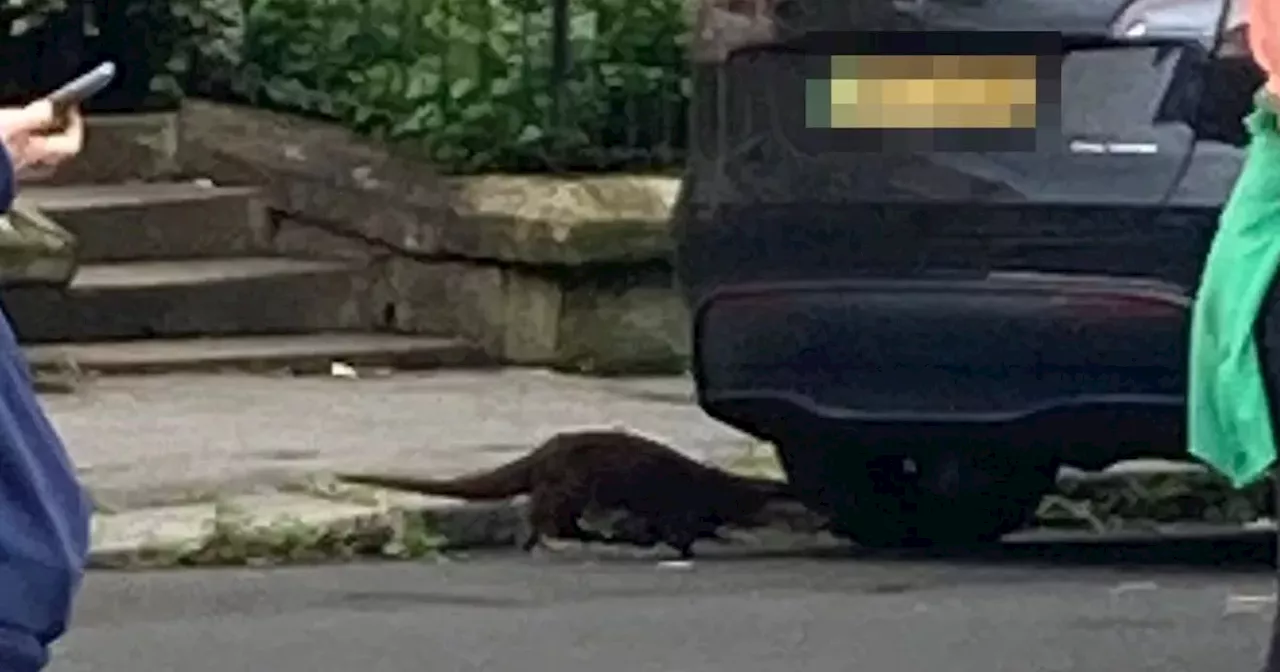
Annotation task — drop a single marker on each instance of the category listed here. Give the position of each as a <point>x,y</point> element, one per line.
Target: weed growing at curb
<point>1103,503</point>
<point>324,486</point>
<point>234,539</point>
<point>1118,502</point>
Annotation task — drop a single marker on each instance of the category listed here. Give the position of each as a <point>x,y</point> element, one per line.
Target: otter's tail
<point>511,479</point>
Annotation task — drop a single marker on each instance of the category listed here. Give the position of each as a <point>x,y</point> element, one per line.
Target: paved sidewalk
<point>167,439</point>
<point>164,454</point>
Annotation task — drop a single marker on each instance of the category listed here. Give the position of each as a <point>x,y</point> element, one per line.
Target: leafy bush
<point>41,47</point>
<point>161,46</point>
<point>470,82</point>
<point>21,16</point>
<point>204,40</point>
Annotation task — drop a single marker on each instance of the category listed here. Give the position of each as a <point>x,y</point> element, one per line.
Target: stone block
<point>419,296</point>
<point>478,298</point>
<point>295,239</point>
<point>546,220</point>
<point>321,171</point>
<point>604,326</point>
<point>636,324</point>
<point>317,171</point>
<point>123,148</point>
<point>534,309</point>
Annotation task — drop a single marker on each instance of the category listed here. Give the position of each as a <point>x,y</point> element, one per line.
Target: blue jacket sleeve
<point>44,512</point>
<point>8,180</point>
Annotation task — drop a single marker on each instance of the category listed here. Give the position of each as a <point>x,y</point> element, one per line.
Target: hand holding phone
<point>82,88</point>
<point>48,131</point>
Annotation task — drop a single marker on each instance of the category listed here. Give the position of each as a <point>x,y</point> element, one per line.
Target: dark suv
<point>928,322</point>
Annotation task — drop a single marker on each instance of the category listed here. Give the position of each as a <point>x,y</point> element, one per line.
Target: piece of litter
<point>1247,604</point>
<point>342,370</point>
<point>675,564</point>
<point>203,182</point>
<point>1133,586</point>
<point>1252,599</point>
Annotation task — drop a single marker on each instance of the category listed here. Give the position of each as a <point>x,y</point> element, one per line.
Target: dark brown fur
<point>678,498</point>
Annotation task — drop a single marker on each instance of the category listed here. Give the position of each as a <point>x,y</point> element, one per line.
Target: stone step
<point>207,297</point>
<point>124,147</point>
<point>300,353</point>
<point>133,222</point>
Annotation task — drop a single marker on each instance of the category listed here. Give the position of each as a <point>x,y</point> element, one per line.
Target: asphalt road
<point>1194,606</point>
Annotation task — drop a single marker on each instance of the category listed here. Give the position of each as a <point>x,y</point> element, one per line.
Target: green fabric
<point>1229,422</point>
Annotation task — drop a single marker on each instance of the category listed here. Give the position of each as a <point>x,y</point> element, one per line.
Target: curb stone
<point>129,539</point>
<point>143,538</point>
<point>137,538</point>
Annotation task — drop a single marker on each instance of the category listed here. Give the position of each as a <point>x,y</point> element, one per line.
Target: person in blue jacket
<point>44,511</point>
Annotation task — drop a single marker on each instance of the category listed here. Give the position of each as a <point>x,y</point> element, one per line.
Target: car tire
<point>920,499</point>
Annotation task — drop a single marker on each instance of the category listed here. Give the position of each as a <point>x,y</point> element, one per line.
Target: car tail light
<point>722,27</point>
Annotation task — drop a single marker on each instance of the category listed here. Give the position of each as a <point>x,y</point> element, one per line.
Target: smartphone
<point>83,87</point>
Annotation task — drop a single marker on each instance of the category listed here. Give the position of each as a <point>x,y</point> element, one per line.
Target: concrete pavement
<point>161,452</point>
<point>1055,607</point>
<point>160,439</point>
<point>146,440</point>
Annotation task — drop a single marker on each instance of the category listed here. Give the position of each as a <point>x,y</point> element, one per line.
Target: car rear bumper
<point>1070,360</point>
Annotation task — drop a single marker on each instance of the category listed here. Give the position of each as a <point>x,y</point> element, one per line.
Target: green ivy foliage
<point>22,16</point>
<point>469,83</point>
<point>162,46</point>
<point>202,54</point>
<point>32,56</point>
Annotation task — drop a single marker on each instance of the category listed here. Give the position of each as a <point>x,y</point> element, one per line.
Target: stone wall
<point>573,273</point>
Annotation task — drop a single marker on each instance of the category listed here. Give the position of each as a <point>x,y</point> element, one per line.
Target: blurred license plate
<point>924,92</point>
